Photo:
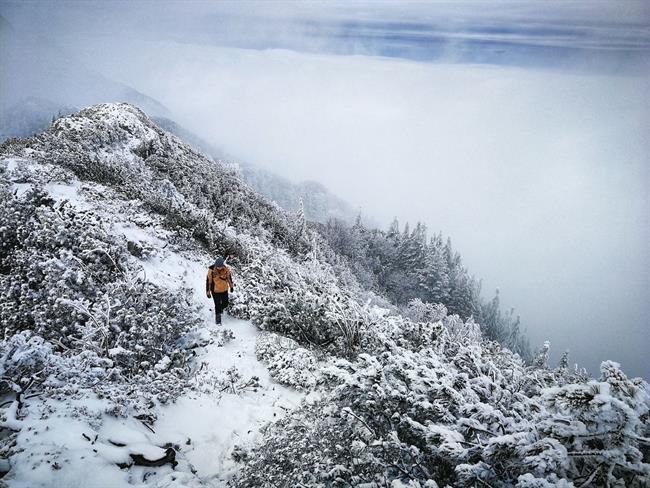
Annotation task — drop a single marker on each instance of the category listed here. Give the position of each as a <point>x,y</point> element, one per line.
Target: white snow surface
<point>215,425</point>
<point>60,448</point>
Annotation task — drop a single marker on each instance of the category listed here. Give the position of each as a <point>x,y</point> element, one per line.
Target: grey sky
<point>521,131</point>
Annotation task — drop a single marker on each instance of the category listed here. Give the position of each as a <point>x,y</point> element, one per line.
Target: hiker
<point>217,284</point>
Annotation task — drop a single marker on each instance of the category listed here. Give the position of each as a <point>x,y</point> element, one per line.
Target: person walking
<point>217,285</point>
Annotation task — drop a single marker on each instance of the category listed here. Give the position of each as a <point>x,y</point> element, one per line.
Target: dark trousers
<point>220,302</point>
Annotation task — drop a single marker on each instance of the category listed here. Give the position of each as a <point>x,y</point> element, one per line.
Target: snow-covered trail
<point>215,424</point>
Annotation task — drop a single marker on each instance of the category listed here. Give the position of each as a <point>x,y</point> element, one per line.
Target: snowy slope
<point>205,423</point>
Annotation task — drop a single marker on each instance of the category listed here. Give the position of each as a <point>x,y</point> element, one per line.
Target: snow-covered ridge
<point>111,364</point>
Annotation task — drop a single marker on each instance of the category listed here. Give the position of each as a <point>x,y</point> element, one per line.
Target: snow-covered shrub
<point>603,425</point>
<point>288,363</point>
<point>71,283</point>
<point>420,311</point>
<point>459,410</point>
<point>32,365</point>
<point>224,336</point>
<point>230,381</point>
<point>302,300</point>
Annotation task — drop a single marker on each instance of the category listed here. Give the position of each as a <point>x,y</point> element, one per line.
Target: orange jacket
<point>218,280</point>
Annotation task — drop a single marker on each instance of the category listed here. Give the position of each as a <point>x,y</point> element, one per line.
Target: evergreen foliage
<point>405,266</point>
<point>446,407</point>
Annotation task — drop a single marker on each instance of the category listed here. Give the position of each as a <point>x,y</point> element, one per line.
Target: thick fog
<point>520,131</point>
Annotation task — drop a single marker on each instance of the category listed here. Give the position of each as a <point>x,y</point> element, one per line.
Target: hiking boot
<point>217,319</point>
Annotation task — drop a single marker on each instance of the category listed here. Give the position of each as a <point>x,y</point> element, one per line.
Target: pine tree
<point>541,360</point>
<point>563,364</point>
<point>300,223</point>
<point>393,230</point>
<point>434,279</point>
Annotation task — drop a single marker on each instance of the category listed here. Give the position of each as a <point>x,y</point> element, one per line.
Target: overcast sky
<point>520,130</point>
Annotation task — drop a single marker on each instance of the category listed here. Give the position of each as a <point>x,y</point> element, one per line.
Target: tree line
<point>405,265</point>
